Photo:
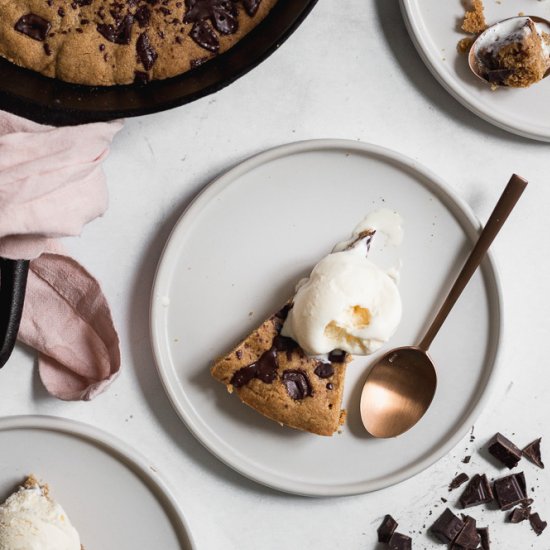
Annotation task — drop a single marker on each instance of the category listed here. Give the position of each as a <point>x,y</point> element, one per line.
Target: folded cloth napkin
<point>51,185</point>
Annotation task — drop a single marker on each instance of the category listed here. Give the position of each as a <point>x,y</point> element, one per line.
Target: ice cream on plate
<point>31,520</point>
<point>292,367</point>
<point>348,302</point>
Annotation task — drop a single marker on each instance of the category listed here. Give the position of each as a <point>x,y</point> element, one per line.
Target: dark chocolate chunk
<point>386,529</point>
<point>399,541</point>
<point>468,536</point>
<point>537,524</point>
<point>510,491</point>
<point>143,16</point>
<point>283,312</point>
<point>337,356</point>
<point>459,480</point>
<point>288,345</point>
<point>265,369</point>
<point>483,533</point>
<point>297,384</point>
<point>467,459</point>
<point>519,514</point>
<point>478,491</point>
<point>251,6</point>
<point>203,34</point>
<point>504,450</point>
<point>324,370</point>
<point>146,53</point>
<point>119,34</point>
<point>532,452</point>
<point>330,386</point>
<point>447,526</point>
<point>223,14</point>
<point>33,26</point>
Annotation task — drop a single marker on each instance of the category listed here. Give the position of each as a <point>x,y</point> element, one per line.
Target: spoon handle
<point>505,204</point>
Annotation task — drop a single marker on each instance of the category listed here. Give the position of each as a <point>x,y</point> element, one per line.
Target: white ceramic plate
<point>434,26</point>
<point>113,496</point>
<point>234,258</point>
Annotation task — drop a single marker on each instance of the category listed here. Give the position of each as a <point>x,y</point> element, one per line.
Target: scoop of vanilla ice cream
<point>348,302</point>
<point>31,520</point>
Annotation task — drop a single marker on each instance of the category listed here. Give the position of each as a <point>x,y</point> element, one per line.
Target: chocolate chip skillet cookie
<point>106,42</point>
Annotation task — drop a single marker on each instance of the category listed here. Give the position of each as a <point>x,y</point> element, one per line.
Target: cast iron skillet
<point>49,101</point>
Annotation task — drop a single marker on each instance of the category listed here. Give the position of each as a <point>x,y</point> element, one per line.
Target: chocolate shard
<point>447,526</point>
<point>537,524</point>
<point>205,36</point>
<point>468,537</point>
<point>145,51</point>
<point>467,459</point>
<point>519,514</point>
<point>399,541</point>
<point>324,370</point>
<point>251,6</point>
<point>510,491</point>
<point>459,480</point>
<point>33,26</point>
<point>504,450</point>
<point>478,491</point>
<point>483,533</point>
<point>386,529</point>
<point>532,452</point>
<point>297,384</point>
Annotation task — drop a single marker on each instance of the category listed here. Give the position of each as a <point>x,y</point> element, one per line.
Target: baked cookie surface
<point>107,42</point>
<point>272,374</point>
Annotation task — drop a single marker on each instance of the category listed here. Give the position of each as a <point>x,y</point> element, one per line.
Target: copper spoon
<point>473,60</point>
<point>402,383</point>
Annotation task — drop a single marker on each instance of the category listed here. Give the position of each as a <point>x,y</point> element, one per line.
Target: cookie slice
<point>273,375</point>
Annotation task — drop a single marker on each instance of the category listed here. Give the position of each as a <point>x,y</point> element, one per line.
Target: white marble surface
<point>350,71</point>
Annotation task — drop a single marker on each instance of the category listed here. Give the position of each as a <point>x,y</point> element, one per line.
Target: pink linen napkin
<point>51,185</point>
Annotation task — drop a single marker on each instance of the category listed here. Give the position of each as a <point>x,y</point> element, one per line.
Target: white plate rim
<point>114,446</point>
<point>412,22</point>
<point>169,378</point>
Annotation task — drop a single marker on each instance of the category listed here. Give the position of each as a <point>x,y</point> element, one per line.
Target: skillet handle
<point>13,283</point>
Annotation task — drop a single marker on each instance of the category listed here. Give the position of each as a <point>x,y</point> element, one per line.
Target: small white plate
<point>434,26</point>
<point>113,497</point>
<point>234,258</point>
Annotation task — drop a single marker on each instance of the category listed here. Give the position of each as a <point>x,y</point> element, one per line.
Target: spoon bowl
<point>492,33</point>
<point>400,390</point>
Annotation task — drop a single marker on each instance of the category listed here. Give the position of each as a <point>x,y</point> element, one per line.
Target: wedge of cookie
<point>272,374</point>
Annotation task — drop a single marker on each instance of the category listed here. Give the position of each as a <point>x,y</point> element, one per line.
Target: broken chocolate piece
<point>519,514</point>
<point>297,384</point>
<point>467,459</point>
<point>468,536</point>
<point>119,34</point>
<point>33,26</point>
<point>504,450</point>
<point>510,491</point>
<point>386,529</point>
<point>324,370</point>
<point>483,533</point>
<point>459,480</point>
<point>447,526</point>
<point>399,541</point>
<point>337,356</point>
<point>532,452</point>
<point>145,51</point>
<point>204,35</point>
<point>537,524</point>
<point>478,491</point>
